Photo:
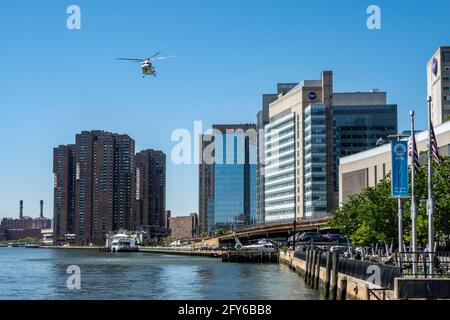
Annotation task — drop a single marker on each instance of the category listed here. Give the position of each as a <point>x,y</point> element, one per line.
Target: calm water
<point>41,274</point>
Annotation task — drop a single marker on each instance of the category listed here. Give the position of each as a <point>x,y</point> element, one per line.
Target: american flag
<point>414,154</point>
<point>434,147</point>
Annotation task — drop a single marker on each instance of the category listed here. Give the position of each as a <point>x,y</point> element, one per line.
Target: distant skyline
<point>57,82</point>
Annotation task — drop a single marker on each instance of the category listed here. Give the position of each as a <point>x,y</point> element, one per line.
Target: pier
<point>241,256</point>
<point>250,256</point>
<point>338,278</point>
<point>182,251</point>
<point>343,279</point>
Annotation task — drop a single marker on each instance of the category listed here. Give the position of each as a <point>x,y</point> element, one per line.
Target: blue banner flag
<point>400,179</point>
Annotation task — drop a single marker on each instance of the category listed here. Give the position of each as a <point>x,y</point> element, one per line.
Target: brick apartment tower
<point>64,191</point>
<point>94,186</point>
<point>150,176</point>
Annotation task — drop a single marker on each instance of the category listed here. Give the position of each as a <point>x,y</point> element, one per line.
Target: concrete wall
<point>355,289</point>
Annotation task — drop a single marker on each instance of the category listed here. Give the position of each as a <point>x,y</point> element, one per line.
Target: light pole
<point>399,207</point>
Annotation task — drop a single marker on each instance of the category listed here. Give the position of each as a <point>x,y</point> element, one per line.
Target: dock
<point>250,256</point>
<point>182,251</point>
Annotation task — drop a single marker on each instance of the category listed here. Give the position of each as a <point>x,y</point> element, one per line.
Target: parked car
<point>336,238</point>
<point>339,249</point>
<point>311,236</point>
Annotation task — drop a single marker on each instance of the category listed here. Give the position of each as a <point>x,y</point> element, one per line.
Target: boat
<point>123,243</point>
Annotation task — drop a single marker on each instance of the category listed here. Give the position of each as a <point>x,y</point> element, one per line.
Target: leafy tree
<point>166,241</point>
<point>372,217</point>
<point>223,232</point>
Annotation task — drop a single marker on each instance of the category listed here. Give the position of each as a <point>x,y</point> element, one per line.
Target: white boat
<point>123,243</point>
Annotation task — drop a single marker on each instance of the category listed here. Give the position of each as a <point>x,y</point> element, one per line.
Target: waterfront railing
<point>440,260</point>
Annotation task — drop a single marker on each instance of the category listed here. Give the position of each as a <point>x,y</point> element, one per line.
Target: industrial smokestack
<point>42,210</point>
<point>21,210</point>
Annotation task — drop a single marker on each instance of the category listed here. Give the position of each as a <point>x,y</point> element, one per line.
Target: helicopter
<point>146,64</point>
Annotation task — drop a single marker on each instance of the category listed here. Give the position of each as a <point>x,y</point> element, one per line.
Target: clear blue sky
<point>55,82</point>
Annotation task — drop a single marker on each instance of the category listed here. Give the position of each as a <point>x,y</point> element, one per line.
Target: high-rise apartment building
<point>94,186</point>
<point>438,83</point>
<point>227,185</point>
<point>151,188</point>
<point>64,192</point>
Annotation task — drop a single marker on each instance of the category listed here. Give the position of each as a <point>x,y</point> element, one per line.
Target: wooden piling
<point>312,274</point>
<point>342,292</point>
<point>311,268</point>
<point>317,273</point>
<point>334,278</point>
<point>308,254</point>
<point>327,275</point>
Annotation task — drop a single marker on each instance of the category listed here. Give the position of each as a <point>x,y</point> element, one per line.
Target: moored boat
<point>123,243</point>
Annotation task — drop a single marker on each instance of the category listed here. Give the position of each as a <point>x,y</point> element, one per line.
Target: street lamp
<point>399,203</point>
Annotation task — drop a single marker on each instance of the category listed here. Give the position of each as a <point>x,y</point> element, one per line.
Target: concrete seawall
<point>332,284</point>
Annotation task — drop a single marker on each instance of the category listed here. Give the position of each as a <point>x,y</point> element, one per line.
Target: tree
<point>223,232</point>
<point>166,241</point>
<point>372,217</point>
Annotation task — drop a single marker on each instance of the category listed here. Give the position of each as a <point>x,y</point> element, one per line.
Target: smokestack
<point>21,210</point>
<point>42,210</point>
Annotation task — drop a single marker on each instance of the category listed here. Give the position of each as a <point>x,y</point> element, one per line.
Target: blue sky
<point>55,82</point>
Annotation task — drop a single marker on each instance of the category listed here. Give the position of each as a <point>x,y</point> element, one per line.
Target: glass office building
<point>361,127</point>
<point>315,162</point>
<point>234,201</point>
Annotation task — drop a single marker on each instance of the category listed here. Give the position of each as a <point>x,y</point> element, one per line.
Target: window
<point>446,56</point>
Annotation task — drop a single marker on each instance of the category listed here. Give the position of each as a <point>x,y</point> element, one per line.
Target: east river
<point>38,274</point>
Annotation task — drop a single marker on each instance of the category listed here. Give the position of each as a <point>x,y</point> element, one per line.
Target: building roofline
<point>420,136</point>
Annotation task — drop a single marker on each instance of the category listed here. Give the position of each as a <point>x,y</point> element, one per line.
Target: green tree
<point>166,241</point>
<point>223,232</point>
<point>371,216</point>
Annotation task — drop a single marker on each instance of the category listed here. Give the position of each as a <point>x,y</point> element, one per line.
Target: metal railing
<point>422,261</point>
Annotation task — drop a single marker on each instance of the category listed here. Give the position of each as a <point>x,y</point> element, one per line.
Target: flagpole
<point>413,199</point>
<point>430,193</point>
<point>400,224</point>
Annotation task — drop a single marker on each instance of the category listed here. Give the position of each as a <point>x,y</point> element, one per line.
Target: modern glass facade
<point>279,187</point>
<point>234,201</point>
<point>315,164</point>
<point>358,128</point>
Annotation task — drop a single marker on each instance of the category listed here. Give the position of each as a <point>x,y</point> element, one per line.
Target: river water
<point>42,274</point>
